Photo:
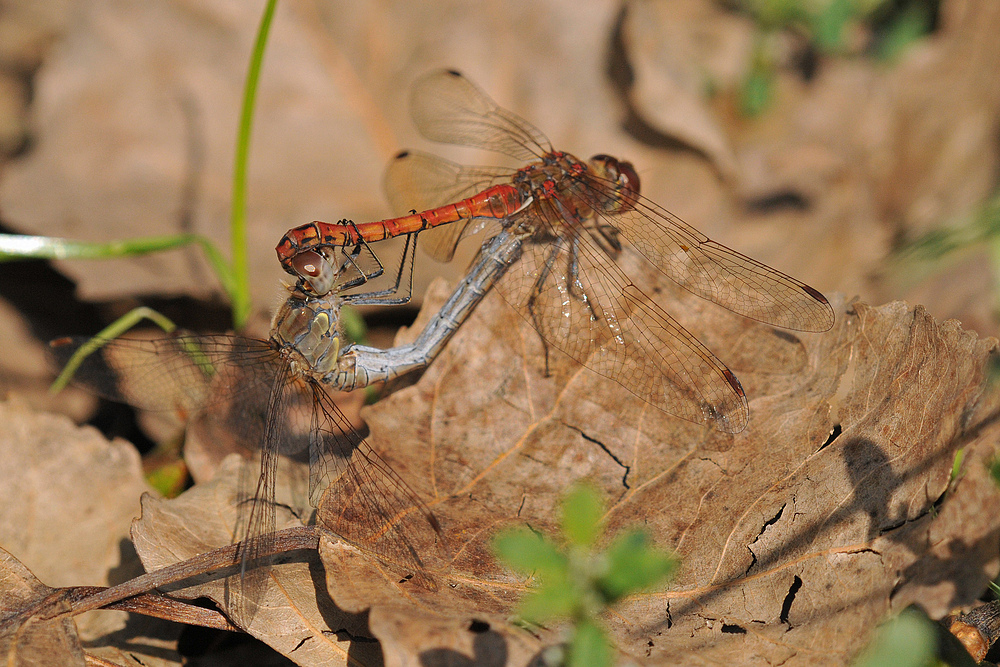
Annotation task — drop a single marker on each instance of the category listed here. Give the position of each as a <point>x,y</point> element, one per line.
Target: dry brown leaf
<point>134,640</point>
<point>406,634</point>
<point>793,547</point>
<point>669,45</point>
<point>68,496</point>
<point>33,641</point>
<point>865,152</point>
<point>26,372</point>
<point>292,618</point>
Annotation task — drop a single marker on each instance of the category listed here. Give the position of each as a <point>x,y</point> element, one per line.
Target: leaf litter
<point>796,536</point>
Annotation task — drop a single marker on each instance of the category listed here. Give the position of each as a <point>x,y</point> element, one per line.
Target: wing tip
<point>732,418</point>
<point>829,318</point>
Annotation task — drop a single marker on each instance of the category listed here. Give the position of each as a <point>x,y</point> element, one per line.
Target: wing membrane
<point>449,108</point>
<point>581,303</point>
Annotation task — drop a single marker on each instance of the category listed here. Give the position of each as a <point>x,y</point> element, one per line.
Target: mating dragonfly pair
<point>559,223</point>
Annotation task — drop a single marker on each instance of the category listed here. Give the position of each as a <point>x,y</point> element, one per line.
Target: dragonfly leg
<point>396,294</point>
<point>536,290</point>
<point>573,285</point>
<point>352,260</point>
<point>605,235</point>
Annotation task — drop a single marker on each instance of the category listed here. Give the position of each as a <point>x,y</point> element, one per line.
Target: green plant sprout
<point>577,581</point>
<point>908,640</point>
<point>995,472</point>
<point>827,26</point>
<point>932,252</point>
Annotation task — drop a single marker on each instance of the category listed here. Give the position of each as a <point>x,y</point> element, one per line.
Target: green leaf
<point>995,471</point>
<point>556,598</point>
<point>582,511</point>
<point>956,464</point>
<point>909,640</point>
<point>527,552</point>
<point>828,26</point>
<point>589,646</point>
<point>169,479</point>
<point>776,14</point>
<point>634,564</point>
<point>755,97</point>
<point>913,24</point>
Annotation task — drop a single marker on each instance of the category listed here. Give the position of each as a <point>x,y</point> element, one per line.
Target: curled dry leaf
<point>67,496</point>
<point>292,618</point>
<point>670,47</point>
<point>27,640</point>
<point>796,536</point>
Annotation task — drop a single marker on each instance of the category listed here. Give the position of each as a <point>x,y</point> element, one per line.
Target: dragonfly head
<point>620,177</point>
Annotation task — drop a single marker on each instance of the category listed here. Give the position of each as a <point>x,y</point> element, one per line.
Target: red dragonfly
<point>269,396</point>
<point>571,218</point>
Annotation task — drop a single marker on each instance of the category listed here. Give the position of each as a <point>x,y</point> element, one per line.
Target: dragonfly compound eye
<point>315,269</point>
<point>624,178</point>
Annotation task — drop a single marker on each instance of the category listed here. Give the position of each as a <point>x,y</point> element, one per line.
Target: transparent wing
<point>182,373</point>
<point>365,501</point>
<point>449,108</point>
<point>257,512</point>
<point>711,270</point>
<point>581,303</point>
<point>244,387</point>
<point>419,181</point>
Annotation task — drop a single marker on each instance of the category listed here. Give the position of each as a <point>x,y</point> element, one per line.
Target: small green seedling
<point>908,640</point>
<point>831,27</point>
<point>995,470</point>
<point>578,582</point>
<point>938,249</point>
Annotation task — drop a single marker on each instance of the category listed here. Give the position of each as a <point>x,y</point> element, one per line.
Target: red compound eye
<point>622,175</point>
<point>628,178</point>
<point>315,269</point>
<point>307,264</point>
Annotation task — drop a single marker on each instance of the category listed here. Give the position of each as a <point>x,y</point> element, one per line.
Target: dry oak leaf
<point>27,640</point>
<point>293,618</point>
<point>67,498</point>
<point>794,535</point>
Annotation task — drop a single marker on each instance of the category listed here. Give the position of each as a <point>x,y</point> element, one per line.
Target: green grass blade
<point>15,247</point>
<point>238,223</point>
<point>113,330</point>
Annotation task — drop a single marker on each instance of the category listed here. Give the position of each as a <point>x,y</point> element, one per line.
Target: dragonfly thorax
<point>309,333</point>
